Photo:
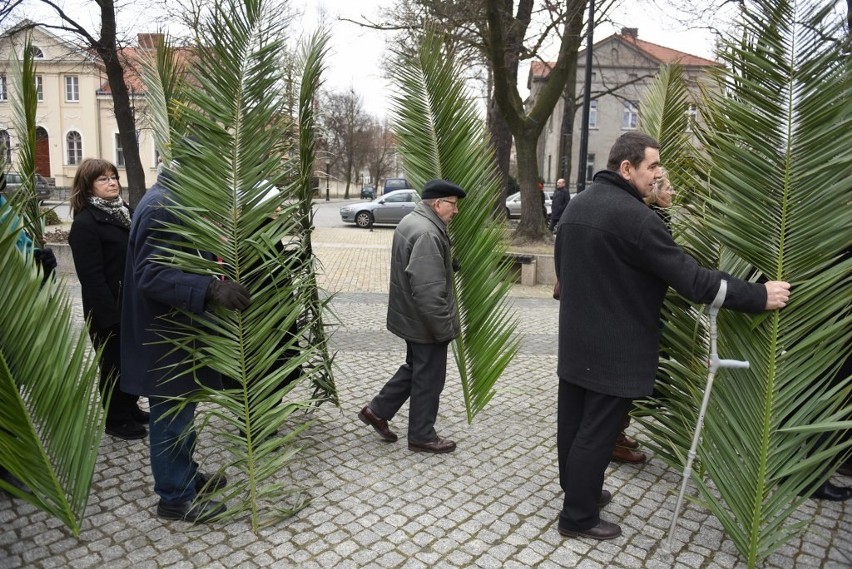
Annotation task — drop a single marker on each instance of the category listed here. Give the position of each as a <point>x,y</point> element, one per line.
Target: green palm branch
<point>231,147</point>
<point>441,135</point>
<point>24,105</point>
<point>778,152</point>
<point>50,409</point>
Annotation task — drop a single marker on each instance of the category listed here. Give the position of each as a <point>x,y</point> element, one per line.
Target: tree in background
<point>380,150</point>
<point>346,133</point>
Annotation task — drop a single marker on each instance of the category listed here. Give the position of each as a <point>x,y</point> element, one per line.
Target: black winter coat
<point>615,259</point>
<point>99,245</point>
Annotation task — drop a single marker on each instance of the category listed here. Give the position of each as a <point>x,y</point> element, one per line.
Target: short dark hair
<point>630,146</point>
<point>82,187</point>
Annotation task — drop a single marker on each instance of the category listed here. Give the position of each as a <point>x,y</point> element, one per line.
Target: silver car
<point>387,209</point>
<point>13,183</point>
<point>513,204</point>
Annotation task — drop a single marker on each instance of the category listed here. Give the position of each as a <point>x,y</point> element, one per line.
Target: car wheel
<point>508,214</point>
<point>364,219</point>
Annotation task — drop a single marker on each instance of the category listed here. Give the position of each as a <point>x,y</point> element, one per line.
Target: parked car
<point>388,209</point>
<point>368,193</point>
<point>513,204</point>
<point>392,184</point>
<point>13,182</point>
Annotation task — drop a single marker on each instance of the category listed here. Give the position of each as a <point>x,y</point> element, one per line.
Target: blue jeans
<point>172,444</point>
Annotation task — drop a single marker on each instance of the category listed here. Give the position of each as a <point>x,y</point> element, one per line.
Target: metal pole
<point>582,156</point>
<point>327,176</point>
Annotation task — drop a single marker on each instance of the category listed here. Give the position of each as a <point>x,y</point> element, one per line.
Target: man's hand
<point>777,294</point>
<point>231,295</point>
<point>46,259</point>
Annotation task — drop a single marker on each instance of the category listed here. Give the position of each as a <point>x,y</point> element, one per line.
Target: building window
<point>72,88</point>
<point>119,151</point>
<point>630,116</point>
<point>36,52</point>
<point>691,116</point>
<point>590,166</point>
<point>39,80</point>
<point>74,143</point>
<point>4,93</point>
<point>593,114</point>
<point>5,146</point>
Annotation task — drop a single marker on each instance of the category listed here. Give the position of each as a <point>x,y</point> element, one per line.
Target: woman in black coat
<point>98,240</point>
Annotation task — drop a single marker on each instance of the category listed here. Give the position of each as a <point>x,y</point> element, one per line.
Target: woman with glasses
<point>98,240</point>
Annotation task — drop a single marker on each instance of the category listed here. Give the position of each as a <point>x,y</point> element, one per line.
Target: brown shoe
<point>624,454</point>
<point>606,498</point>
<point>380,425</point>
<point>604,530</point>
<point>624,441</point>
<point>438,446</point>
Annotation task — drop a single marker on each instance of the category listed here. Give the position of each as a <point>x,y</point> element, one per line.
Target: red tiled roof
<point>131,62</point>
<point>663,55</point>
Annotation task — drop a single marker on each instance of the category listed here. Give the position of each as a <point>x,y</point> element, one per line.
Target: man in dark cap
<point>421,311</point>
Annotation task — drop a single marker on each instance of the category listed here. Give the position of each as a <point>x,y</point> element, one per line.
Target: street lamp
<point>327,176</point>
<point>583,155</point>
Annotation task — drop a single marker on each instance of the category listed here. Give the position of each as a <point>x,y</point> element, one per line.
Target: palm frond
<point>50,409</point>
<point>24,105</point>
<point>441,136</point>
<point>232,147</point>
<point>778,153</point>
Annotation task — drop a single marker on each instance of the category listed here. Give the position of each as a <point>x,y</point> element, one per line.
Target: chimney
<point>630,32</point>
<point>149,41</point>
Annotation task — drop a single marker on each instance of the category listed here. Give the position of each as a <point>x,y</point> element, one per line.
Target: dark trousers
<point>587,426</point>
<point>420,378</point>
<point>120,404</point>
<point>172,446</point>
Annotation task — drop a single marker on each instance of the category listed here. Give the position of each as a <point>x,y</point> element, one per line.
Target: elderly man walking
<point>615,259</point>
<point>421,311</point>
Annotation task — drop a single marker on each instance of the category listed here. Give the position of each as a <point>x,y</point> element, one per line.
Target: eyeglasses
<point>454,203</point>
<point>107,180</point>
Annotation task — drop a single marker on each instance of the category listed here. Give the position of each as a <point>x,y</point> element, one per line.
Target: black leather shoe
<point>829,491</point>
<point>604,530</point>
<point>624,454</point>
<point>380,425</point>
<point>188,512</point>
<point>129,431</point>
<point>205,484</point>
<point>438,446</point>
<point>606,498</point>
<point>139,415</point>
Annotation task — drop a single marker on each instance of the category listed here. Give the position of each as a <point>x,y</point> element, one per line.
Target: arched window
<point>36,52</point>
<point>74,143</point>
<point>5,146</point>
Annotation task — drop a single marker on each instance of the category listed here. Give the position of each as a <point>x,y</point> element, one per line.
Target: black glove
<point>456,266</point>
<point>231,295</point>
<point>47,260</point>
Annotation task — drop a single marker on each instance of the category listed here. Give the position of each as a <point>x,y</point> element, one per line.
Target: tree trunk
<point>108,52</point>
<point>501,138</point>
<point>532,226</point>
<point>566,138</point>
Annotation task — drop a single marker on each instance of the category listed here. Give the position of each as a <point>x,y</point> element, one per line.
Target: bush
<point>50,216</point>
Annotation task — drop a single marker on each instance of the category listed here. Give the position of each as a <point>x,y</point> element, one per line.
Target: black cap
<point>441,189</point>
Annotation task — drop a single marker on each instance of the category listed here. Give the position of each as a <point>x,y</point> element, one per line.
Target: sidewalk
<point>491,504</point>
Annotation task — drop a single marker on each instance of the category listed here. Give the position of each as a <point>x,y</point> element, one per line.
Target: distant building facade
<point>74,118</point>
<point>623,68</point>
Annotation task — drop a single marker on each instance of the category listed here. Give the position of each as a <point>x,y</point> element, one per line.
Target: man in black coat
<point>558,202</point>
<point>149,366</point>
<point>615,259</point>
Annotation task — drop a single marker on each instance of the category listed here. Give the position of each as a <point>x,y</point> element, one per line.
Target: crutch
<point>714,364</point>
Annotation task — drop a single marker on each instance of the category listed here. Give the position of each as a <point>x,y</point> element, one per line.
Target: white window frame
<point>593,113</point>
<point>74,149</point>
<point>6,142</point>
<point>630,115</point>
<point>72,89</point>
<point>39,85</point>
<point>119,151</point>
<point>590,167</point>
<point>4,89</point>
<point>691,116</point>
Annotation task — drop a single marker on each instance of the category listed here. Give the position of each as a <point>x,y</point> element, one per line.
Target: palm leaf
<point>778,150</point>
<point>231,147</point>
<point>24,105</point>
<point>441,136</point>
<point>50,410</point>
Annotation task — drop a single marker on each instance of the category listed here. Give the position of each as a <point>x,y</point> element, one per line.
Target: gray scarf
<point>115,207</point>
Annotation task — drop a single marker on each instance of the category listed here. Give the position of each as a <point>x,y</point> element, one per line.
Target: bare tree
<point>380,147</point>
<point>345,128</point>
<point>106,45</point>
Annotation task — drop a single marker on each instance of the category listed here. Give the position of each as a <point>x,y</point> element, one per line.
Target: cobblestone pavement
<point>492,503</point>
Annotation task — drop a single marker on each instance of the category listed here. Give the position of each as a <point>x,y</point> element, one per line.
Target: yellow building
<point>74,118</point>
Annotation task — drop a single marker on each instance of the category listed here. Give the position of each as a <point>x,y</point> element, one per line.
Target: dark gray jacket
<point>615,259</point>
<point>421,303</point>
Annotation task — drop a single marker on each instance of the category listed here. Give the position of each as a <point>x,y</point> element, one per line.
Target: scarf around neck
<point>114,207</point>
